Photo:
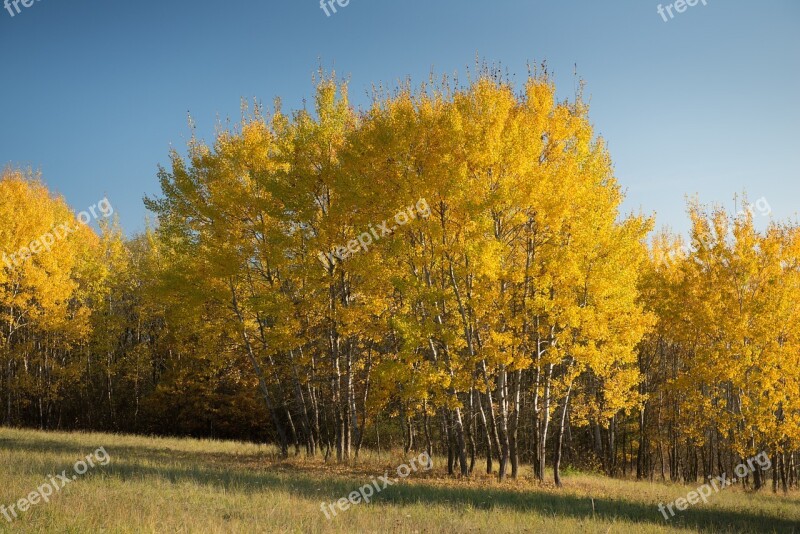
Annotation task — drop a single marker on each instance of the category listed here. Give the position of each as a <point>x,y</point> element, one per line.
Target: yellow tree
<point>46,272</point>
<point>739,333</point>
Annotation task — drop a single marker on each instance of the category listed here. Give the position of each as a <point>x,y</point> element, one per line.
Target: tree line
<point>518,319</point>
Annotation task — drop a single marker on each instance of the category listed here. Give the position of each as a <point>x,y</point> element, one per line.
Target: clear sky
<point>94,92</point>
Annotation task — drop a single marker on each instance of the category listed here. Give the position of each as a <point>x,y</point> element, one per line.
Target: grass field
<point>182,485</point>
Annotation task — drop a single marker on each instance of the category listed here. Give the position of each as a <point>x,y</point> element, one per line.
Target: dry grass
<point>183,485</point>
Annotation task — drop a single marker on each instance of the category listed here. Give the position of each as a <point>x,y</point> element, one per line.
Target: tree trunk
<point>284,443</point>
<point>543,423</point>
<point>560,440</point>
<point>514,447</point>
<point>487,435</point>
<point>502,389</point>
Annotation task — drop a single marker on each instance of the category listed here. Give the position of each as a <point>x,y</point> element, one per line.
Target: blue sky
<point>95,92</point>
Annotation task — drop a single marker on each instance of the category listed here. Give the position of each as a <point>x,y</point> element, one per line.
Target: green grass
<point>182,485</point>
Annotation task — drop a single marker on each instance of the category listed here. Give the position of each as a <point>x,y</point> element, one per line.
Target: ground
<point>183,485</point>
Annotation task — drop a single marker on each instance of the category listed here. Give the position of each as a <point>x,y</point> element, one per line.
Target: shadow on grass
<point>208,469</point>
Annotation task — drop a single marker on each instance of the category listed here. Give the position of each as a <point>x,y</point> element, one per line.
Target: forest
<point>505,314</point>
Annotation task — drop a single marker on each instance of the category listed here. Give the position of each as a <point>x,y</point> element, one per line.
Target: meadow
<point>187,485</point>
